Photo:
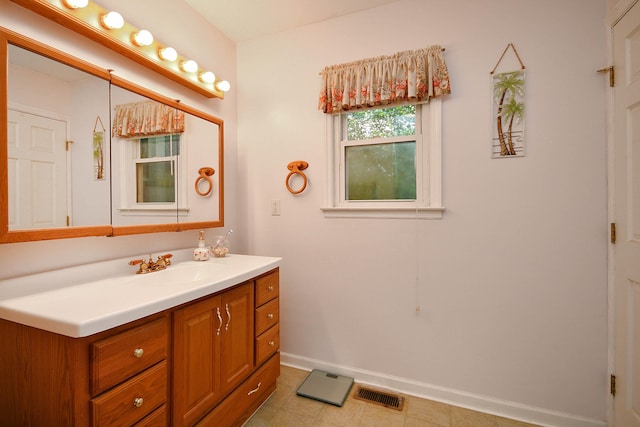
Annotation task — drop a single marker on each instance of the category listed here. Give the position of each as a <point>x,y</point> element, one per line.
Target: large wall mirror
<point>85,153</point>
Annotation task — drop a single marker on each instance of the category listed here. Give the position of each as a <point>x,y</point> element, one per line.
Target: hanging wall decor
<point>507,110</point>
<point>98,150</point>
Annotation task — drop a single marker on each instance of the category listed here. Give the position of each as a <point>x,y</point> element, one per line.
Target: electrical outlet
<point>275,207</point>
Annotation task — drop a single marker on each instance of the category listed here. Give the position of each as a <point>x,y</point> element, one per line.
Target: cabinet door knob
<point>270,315</point>
<point>138,401</point>
<point>272,343</point>
<point>138,352</point>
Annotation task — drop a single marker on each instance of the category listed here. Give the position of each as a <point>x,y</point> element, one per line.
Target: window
<point>386,162</point>
<point>153,167</point>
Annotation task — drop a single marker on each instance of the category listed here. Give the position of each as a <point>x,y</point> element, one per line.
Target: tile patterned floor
<point>285,409</point>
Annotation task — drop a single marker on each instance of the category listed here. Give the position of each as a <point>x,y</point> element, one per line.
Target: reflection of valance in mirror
<point>412,76</point>
<point>146,118</point>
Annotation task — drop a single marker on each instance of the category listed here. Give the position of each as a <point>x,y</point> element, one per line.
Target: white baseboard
<point>475,402</point>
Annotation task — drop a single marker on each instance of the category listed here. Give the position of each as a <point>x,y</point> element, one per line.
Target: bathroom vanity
<point>195,344</point>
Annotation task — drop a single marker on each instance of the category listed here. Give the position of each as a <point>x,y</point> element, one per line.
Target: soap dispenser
<point>201,253</point>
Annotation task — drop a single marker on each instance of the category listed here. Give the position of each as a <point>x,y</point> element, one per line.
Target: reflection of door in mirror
<point>37,163</point>
<point>51,182</point>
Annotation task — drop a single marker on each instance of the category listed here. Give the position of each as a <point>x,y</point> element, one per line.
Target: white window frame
<point>428,203</point>
<point>129,159</point>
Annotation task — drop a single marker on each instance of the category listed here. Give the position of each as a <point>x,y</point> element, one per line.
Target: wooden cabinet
<point>213,351</point>
<point>208,362</point>
<point>129,374</point>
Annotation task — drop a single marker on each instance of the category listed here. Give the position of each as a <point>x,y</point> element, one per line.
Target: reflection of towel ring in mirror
<point>296,168</point>
<point>204,173</point>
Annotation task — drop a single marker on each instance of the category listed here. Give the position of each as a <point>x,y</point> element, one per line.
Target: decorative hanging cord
<point>412,76</point>
<point>510,45</point>
<point>95,126</point>
<point>146,118</point>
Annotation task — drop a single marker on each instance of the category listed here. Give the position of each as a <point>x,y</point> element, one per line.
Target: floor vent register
<point>386,399</point>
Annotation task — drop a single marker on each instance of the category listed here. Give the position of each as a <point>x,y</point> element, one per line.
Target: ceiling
<point>246,19</point>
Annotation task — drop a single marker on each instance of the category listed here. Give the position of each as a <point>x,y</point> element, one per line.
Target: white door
<point>37,171</point>
<point>626,251</point>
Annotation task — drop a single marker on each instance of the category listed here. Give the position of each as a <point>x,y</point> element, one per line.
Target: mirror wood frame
<point>13,236</point>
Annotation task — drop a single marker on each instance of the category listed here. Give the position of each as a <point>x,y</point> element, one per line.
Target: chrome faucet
<point>148,266</point>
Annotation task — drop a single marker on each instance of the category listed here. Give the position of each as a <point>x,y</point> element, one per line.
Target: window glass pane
<point>381,122</point>
<point>160,146</point>
<point>155,182</point>
<point>381,171</point>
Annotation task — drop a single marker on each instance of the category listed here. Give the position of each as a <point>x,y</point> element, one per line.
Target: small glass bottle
<point>201,253</point>
<point>220,246</point>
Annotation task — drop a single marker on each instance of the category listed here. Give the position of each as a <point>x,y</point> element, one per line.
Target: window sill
<point>153,211</point>
<point>394,213</point>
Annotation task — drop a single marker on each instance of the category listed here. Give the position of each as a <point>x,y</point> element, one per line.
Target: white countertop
<point>84,300</point>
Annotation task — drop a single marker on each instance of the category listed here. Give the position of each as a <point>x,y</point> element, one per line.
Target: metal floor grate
<point>386,399</point>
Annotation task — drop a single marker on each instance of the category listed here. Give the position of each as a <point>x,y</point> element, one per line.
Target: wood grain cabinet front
<point>119,357</point>
<point>130,402</point>
<point>212,361</point>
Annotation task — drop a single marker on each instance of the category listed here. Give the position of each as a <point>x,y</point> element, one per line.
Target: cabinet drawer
<point>267,316</point>
<point>133,400</point>
<point>267,344</point>
<point>267,288</point>
<point>119,357</point>
<point>246,399</point>
<point>157,418</point>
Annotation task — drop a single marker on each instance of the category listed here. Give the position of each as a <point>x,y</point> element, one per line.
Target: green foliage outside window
<point>381,123</point>
<point>383,170</point>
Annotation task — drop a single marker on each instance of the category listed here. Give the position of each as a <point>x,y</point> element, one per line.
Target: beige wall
<point>512,282</point>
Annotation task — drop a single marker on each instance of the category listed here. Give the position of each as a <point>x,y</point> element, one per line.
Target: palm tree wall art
<point>508,114</point>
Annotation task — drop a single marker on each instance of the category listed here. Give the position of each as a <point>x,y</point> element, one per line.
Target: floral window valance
<point>146,118</point>
<point>409,76</point>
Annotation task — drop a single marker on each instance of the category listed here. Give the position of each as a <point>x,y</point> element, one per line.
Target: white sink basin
<point>75,303</point>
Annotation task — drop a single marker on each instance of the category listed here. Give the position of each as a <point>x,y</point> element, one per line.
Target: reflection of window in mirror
<point>155,169</point>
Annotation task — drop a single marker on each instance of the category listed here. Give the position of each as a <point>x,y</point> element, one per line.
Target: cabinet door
<point>197,329</point>
<point>236,362</point>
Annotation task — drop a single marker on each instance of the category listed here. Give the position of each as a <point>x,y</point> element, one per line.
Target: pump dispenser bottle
<point>201,253</point>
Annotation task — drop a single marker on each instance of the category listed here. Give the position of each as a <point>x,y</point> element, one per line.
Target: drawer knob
<point>270,315</point>
<point>272,343</point>
<point>138,401</point>
<point>138,352</point>
<point>270,288</point>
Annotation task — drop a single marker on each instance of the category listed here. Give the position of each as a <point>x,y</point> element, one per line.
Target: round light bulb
<point>112,21</point>
<point>189,66</point>
<point>223,85</point>
<point>207,77</point>
<point>75,4</point>
<point>168,54</point>
<point>142,38</point>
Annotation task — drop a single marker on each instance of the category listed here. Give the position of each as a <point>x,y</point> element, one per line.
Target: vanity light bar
<point>112,31</point>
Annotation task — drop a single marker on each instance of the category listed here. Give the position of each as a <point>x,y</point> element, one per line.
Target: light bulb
<point>142,38</point>
<point>189,66</point>
<point>207,77</point>
<point>112,21</point>
<point>75,4</point>
<point>168,54</point>
<point>223,85</point>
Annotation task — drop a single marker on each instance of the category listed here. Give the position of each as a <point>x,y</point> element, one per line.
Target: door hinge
<point>68,220</point>
<point>68,143</point>
<point>613,385</point>
<point>613,232</point>
<point>612,74</point>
